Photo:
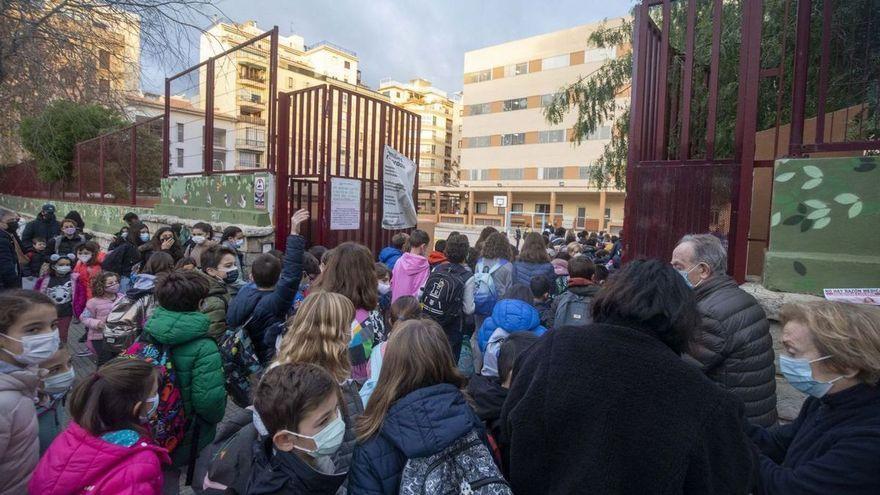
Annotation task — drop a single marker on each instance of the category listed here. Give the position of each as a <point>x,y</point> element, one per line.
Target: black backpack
<point>573,310</point>
<point>443,296</point>
<point>113,261</point>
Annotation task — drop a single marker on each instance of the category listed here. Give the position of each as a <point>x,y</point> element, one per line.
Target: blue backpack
<point>485,293</point>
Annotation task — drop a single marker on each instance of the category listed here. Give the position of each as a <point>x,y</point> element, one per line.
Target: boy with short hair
<point>391,254</point>
<point>37,256</point>
<point>450,313</point>
<point>541,287</point>
<point>412,269</point>
<point>573,306</point>
<point>438,256</point>
<point>220,269</point>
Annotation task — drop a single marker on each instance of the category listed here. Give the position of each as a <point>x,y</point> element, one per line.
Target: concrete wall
<point>824,225</point>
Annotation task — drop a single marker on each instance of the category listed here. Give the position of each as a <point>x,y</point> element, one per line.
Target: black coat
<point>47,229</point>
<point>63,245</point>
<point>610,409</point>
<point>735,349</point>
<point>10,268</point>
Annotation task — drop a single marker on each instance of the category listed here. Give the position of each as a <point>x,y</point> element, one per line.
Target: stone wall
<point>824,225</point>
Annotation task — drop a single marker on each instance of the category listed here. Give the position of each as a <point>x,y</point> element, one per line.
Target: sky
<point>404,39</point>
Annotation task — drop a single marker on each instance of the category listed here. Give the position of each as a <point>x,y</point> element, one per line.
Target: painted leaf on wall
<point>822,212</point>
<point>799,268</point>
<point>784,177</point>
<point>793,220</point>
<point>812,183</point>
<point>855,209</point>
<point>846,198</point>
<point>815,203</point>
<point>865,166</point>
<point>805,225</point>
<point>821,223</point>
<point>813,171</point>
<point>775,219</point>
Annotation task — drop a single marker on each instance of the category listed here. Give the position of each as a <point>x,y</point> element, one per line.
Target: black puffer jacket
<point>734,348</point>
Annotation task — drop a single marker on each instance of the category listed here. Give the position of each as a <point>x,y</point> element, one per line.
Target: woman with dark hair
<point>533,260</point>
<point>484,234</point>
<point>125,255</point>
<point>612,408</point>
<point>163,240</point>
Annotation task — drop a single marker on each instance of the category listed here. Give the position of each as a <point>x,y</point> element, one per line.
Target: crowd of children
<point>355,373</point>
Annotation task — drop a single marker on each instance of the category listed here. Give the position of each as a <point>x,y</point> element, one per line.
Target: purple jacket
<point>409,276</point>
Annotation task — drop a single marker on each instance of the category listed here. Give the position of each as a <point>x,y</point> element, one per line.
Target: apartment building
<point>241,80</point>
<point>509,150</point>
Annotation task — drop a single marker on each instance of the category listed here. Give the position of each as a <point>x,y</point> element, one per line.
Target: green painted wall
<point>218,198</point>
<point>824,225</point>
<point>100,218</point>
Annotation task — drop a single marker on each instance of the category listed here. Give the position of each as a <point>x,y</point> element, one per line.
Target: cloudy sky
<point>404,39</point>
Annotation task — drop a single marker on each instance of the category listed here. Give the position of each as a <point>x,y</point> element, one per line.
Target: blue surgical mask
<point>238,243</point>
<point>799,374</point>
<point>145,236</point>
<point>684,274</point>
<point>328,440</point>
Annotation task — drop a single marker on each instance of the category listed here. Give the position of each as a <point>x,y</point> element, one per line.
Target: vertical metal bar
<point>348,171</point>
<point>282,175</point>
<point>79,177</point>
<point>416,147</point>
<point>781,79</point>
<point>308,144</point>
<point>359,171</point>
<point>747,112</point>
<point>166,132</point>
<point>663,76</point>
<point>132,161</point>
<point>376,221</point>
<point>687,87</point>
<point>713,79</point>
<point>799,78</point>
<point>824,62</point>
<point>338,114</point>
<point>101,167</point>
<point>273,99</point>
<point>634,153</point>
<point>383,108</point>
<point>327,122</point>
<point>208,132</point>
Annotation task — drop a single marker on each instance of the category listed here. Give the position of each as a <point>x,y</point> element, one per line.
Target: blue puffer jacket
<point>419,425</point>
<point>267,309</point>
<point>512,315</point>
<point>523,271</point>
<point>389,255</point>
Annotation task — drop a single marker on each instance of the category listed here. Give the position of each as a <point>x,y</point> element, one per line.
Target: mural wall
<point>824,225</point>
<point>99,218</point>
<point>236,199</point>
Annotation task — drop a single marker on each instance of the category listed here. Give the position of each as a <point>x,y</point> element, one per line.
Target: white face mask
<point>59,383</point>
<point>62,270</point>
<point>384,288</point>
<point>84,257</point>
<point>36,348</point>
<point>198,239</point>
<point>327,441</point>
<point>238,243</point>
<point>154,404</point>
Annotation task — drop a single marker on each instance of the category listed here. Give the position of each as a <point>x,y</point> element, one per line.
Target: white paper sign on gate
<point>345,204</point>
<point>399,175</point>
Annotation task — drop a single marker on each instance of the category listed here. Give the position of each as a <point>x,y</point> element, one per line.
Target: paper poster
<point>859,296</point>
<point>399,175</point>
<point>259,193</point>
<point>345,204</point>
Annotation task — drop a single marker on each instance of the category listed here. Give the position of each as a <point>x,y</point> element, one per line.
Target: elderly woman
<point>831,352</point>
<point>613,408</point>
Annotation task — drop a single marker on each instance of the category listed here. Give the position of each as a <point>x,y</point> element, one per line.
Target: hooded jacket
<point>215,305</point>
<point>227,461</point>
<point>47,228</point>
<point>268,308</point>
<point>62,244</point>
<point>611,409</point>
<point>832,447</point>
<point>734,348</point>
<point>96,312</point>
<point>285,473</point>
<point>523,271</point>
<point>488,398</point>
<point>409,276</point>
<point>389,255</point>
<point>420,424</point>
<point>79,462</point>
<point>196,359</point>
<point>511,315</point>
<point>19,442</point>
<point>10,268</point>
<point>436,258</point>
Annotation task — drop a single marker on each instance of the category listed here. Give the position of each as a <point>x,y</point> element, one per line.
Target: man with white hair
<point>733,347</point>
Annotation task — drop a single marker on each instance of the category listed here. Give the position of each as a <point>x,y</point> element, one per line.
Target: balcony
<point>250,143</point>
<point>251,59</point>
<point>251,101</point>
<point>250,119</point>
<point>250,79</point>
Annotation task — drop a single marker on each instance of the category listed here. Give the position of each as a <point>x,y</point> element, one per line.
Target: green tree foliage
<point>854,73</point>
<point>51,136</point>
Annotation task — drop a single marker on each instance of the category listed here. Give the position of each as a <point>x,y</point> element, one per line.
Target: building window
<point>516,69</point>
<point>547,99</point>
<point>479,141</point>
<point>511,174</point>
<point>607,213</point>
<point>516,208</point>
<point>179,157</point>
<point>347,64</point>
<point>289,83</point>
<point>584,172</point>
<point>427,163</point>
<point>602,132</point>
<point>559,209</point>
<point>600,54</point>
<point>248,159</point>
<point>479,76</point>
<point>104,59</point>
<point>479,109</point>
<point>515,104</point>
<point>554,136</point>
<point>481,208</point>
<point>542,208</point>
<point>556,62</point>
<point>397,93</point>
<point>179,132</point>
<point>512,139</point>
<point>219,140</point>
<point>219,159</point>
<point>548,173</point>
<point>104,86</point>
<point>387,93</point>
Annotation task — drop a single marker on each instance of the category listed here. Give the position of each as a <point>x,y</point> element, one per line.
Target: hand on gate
<point>296,220</point>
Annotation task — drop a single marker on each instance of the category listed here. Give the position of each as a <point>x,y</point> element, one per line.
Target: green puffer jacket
<point>215,306</point>
<point>196,359</point>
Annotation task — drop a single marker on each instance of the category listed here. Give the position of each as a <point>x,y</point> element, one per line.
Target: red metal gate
<point>325,132</point>
<point>685,174</point>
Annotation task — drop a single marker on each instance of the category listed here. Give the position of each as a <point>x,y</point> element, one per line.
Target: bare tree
<point>86,51</point>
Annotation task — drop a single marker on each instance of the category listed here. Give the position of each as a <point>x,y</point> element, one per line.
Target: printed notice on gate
<point>345,204</point>
<point>399,175</point>
<point>858,296</point>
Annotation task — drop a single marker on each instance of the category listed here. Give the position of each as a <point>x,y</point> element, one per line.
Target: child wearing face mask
<point>57,379</point>
<point>220,268</point>
<point>67,242</point>
<point>61,287</point>
<point>105,292</point>
<point>27,337</point>
<point>88,264</point>
<point>200,241</point>
<point>106,448</point>
<point>383,274</point>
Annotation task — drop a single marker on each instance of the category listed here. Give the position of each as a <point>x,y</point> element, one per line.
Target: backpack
<point>573,310</point>
<point>168,426</point>
<point>113,261</point>
<point>125,322</point>
<point>465,467</point>
<point>241,366</point>
<point>444,294</point>
<point>485,294</point>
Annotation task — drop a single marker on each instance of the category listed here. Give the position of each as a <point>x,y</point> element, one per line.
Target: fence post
<point>166,131</point>
<point>272,151</point>
<point>208,132</point>
<point>799,78</point>
<point>132,161</point>
<point>101,166</point>
<point>79,177</point>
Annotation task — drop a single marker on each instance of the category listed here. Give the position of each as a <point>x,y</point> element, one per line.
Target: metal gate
<point>685,172</point>
<point>327,132</point>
